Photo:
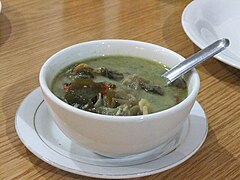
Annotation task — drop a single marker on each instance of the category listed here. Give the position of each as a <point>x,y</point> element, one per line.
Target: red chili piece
<point>65,87</point>
<point>106,88</point>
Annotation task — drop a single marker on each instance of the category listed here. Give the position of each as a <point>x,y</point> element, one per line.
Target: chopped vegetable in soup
<point>118,85</point>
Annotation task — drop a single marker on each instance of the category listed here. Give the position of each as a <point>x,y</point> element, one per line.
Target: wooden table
<point>31,31</point>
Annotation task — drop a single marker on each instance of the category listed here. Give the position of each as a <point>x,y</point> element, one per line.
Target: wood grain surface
<point>31,31</point>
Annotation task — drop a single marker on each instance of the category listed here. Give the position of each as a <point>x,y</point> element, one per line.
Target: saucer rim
<point>98,175</point>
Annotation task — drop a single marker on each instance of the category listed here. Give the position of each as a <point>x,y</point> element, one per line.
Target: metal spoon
<point>194,60</point>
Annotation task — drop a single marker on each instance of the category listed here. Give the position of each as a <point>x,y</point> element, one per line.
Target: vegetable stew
<point>118,85</point>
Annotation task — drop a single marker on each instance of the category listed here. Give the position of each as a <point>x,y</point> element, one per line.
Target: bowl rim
<point>50,95</point>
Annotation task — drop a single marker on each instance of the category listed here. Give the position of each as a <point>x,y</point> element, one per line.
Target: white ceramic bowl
<point>116,136</point>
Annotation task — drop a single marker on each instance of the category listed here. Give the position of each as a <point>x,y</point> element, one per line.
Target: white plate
<point>39,133</point>
<point>205,21</point>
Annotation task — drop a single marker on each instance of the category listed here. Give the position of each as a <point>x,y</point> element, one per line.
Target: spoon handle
<point>195,59</point>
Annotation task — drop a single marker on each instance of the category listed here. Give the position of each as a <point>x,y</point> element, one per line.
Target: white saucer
<point>207,21</point>
<point>38,132</point>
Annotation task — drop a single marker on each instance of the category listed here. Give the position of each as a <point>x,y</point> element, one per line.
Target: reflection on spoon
<point>185,66</point>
